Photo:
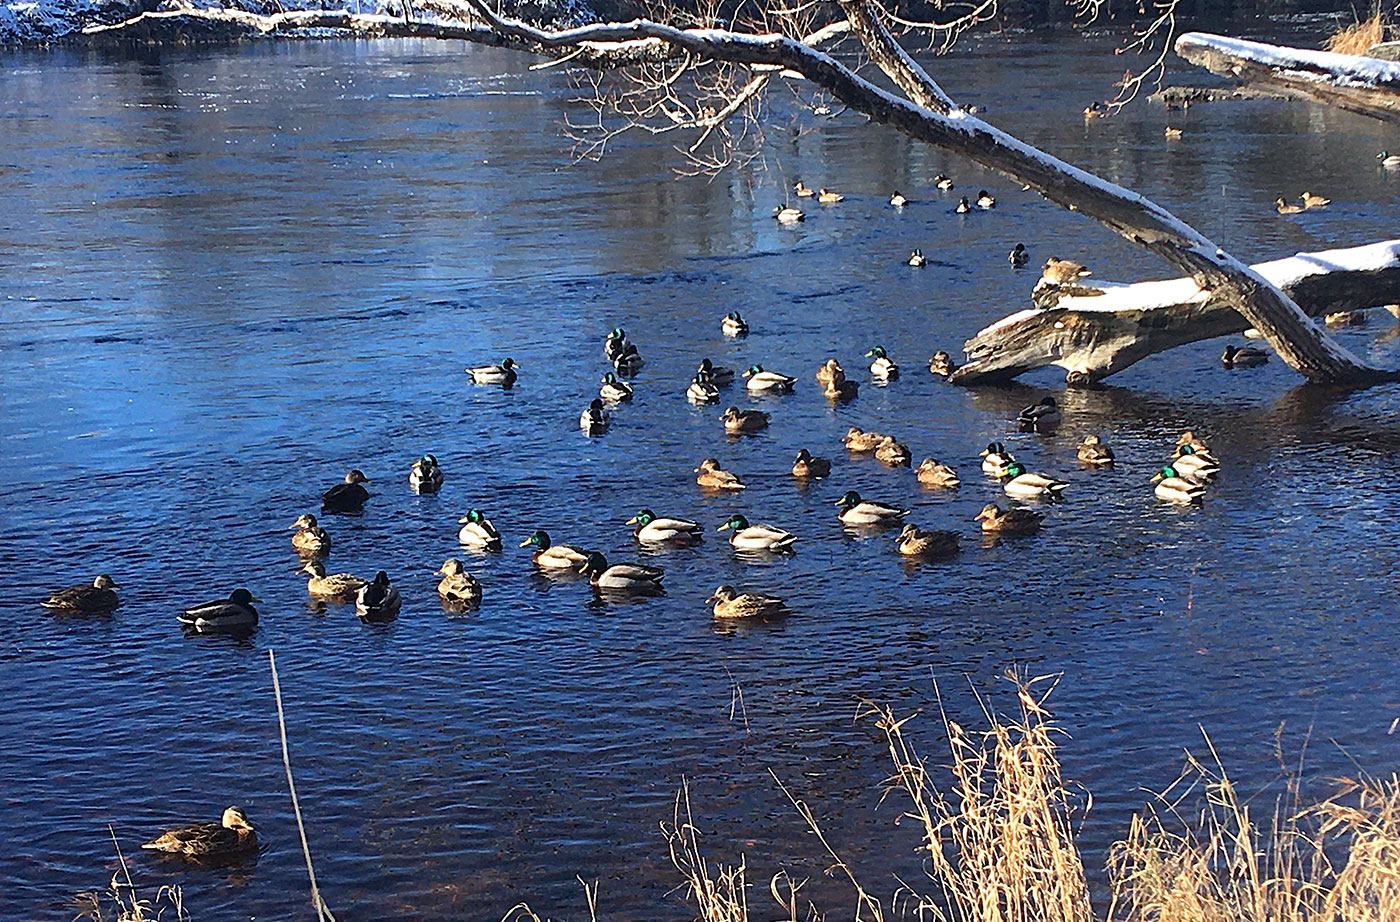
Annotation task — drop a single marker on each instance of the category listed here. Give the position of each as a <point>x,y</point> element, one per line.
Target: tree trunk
<point>1092,336</point>
<point>1368,86</point>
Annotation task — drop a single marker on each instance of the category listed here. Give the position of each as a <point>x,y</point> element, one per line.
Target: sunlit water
<point>231,275</point>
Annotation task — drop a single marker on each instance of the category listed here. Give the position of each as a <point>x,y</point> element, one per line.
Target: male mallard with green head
<point>425,476</point>
<point>857,511</point>
<point>1023,484</point>
<point>477,532</point>
<point>551,556</point>
<point>503,375</point>
<point>746,537</point>
<point>761,381</point>
<point>654,529</point>
<point>632,578</point>
<point>1172,487</point>
<point>882,366</point>
<point>235,611</point>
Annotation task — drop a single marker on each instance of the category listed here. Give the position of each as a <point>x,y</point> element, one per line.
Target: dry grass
<point>121,903</point>
<point>1357,37</point>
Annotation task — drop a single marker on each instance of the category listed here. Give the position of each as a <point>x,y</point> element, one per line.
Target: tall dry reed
<point>1358,37</point>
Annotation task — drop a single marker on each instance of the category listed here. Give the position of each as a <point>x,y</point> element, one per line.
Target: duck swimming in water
<point>1039,417</point>
<point>1171,487</point>
<point>654,529</point>
<point>1024,484</point>
<point>1243,357</point>
<point>310,538</point>
<point>737,421</point>
<point>235,611</point>
<point>503,374</point>
<point>334,586</point>
<point>594,419</point>
<point>231,837</point>
<point>99,598</point>
<point>858,440</point>
<point>758,537</point>
<point>457,584</point>
<point>807,467</point>
<point>1019,257</point>
<point>731,605</point>
<point>702,390</point>
<point>1094,451</point>
<point>734,325</point>
<point>477,532</point>
<point>928,545</point>
<point>995,459</point>
<point>761,381</point>
<point>425,476</point>
<point>718,376</point>
<point>551,556</point>
<point>939,476</point>
<point>882,365</point>
<point>713,477</point>
<point>614,390</point>
<point>1014,521</point>
<point>941,364</point>
<point>348,496</point>
<point>857,511</point>
<point>631,578</point>
<point>379,600</point>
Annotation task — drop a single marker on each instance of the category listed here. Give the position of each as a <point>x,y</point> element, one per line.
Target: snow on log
<point>1095,335</point>
<point>1370,86</point>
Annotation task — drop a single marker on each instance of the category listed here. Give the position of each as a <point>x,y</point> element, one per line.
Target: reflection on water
<point>233,275</point>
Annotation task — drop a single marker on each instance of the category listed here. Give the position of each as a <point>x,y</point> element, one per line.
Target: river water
<point>231,275</point>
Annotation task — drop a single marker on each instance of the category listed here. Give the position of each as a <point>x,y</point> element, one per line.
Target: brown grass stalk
<point>1358,37</point>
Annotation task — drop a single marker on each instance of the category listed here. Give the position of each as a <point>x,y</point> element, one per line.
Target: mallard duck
<point>1039,417</point>
<point>1345,319</point>
<point>734,325</point>
<point>898,200</point>
<point>1243,357</point>
<point>731,605</point>
<point>702,390</point>
<point>1171,487</point>
<point>827,197</point>
<point>478,532</point>
<point>713,477</point>
<point>594,419</point>
<point>893,453</point>
<point>457,584</point>
<point>1095,451</point>
<point>614,390</point>
<point>718,376</point>
<point>1195,465</point>
<point>933,474</point>
<point>1023,484</point>
<point>942,364</point>
<point>231,837</point>
<point>503,374</point>
<point>425,476</point>
<point>1172,134</point>
<point>748,537</point>
<point>614,343</point>
<point>348,496</point>
<point>1388,160</point>
<point>1019,256</point>
<point>807,466</point>
<point>310,537</point>
<point>628,361</point>
<point>985,200</point>
<point>621,577</point>
<point>1284,207</point>
<point>378,600</point>
<point>858,440</point>
<point>1062,271</point>
<point>882,365</point>
<point>942,183</point>
<point>839,389</point>
<point>1013,521</point>
<point>554,556</point>
<point>1314,201</point>
<point>995,459</point>
<point>1189,438</point>
<point>786,214</point>
<point>235,611</point>
<point>857,511</point>
<point>737,420</point>
<point>802,191</point>
<point>916,258</point>
<point>829,370</point>
<point>929,545</point>
<point>652,529</point>
<point>963,206</point>
<point>96,599</point>
<point>767,381</point>
<point>335,586</point>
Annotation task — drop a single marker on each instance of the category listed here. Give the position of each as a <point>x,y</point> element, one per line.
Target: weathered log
<point>1369,86</point>
<point>1094,336</point>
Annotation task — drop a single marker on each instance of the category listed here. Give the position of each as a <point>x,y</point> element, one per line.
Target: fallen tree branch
<point>1094,336</point>
<point>1368,86</point>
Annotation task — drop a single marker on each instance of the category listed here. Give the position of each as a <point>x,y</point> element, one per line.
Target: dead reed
<point>1358,37</point>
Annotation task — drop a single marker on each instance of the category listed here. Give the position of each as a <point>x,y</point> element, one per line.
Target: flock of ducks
<point>791,214</point>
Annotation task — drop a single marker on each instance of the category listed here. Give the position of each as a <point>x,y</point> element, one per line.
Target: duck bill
<point>981,517</point>
<point>983,453</point>
<point>1155,478</point>
<point>725,527</point>
<point>631,521</point>
<point>466,518</point>
<point>525,543</point>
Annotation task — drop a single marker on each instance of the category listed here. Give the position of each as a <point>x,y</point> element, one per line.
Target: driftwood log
<point>1369,86</point>
<point>1098,329</point>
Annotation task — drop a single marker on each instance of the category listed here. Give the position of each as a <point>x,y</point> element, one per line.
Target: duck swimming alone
<point>731,605</point>
<point>334,586</point>
<point>425,476</point>
<point>594,419</point>
<point>1018,257</point>
<point>1094,451</point>
<point>713,477</point>
<point>985,200</point>
<point>1039,417</point>
<point>614,390</point>
<point>622,577</point>
<point>807,467</point>
<point>1388,160</point>
<point>1171,487</point>
<point>231,837</point>
<point>96,599</point>
<point>654,529</point>
<point>718,376</point>
<point>551,556</point>
<point>503,374</point>
<point>1014,521</point>
<point>702,390</point>
<point>457,584</point>
<point>1243,357</point>
<point>916,258</point>
<point>857,511</point>
<point>348,496</point>
<point>738,421</point>
<point>771,382</point>
<point>310,538</point>
<point>941,364</point>
<point>939,476</point>
<point>898,200</point>
<point>235,611</point>
<point>378,600</point>
<point>942,183</point>
<point>882,365</point>
<point>734,325</point>
<point>760,537</point>
<point>928,545</point>
<point>477,532</point>
<point>786,214</point>
<point>1024,484</point>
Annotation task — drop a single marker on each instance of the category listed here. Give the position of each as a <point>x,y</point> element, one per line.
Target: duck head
<point>735,522</point>
<point>356,476</point>
<point>643,517</point>
<point>450,567</point>
<point>539,539</point>
<point>852,498</point>
<point>304,521</point>
<point>723,593</point>
<point>235,818</point>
